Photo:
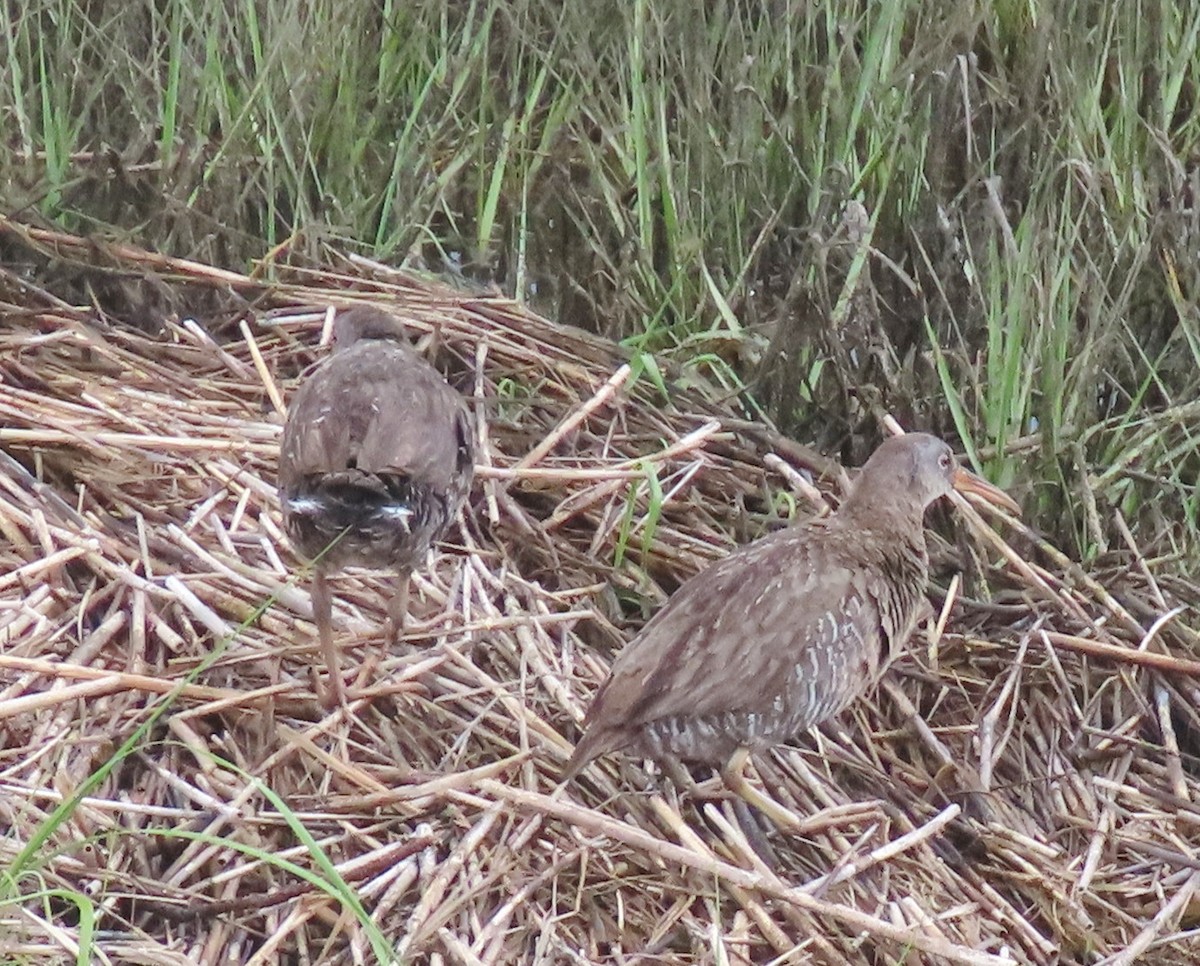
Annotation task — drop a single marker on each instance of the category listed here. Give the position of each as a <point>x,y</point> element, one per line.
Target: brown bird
<point>376,459</point>
<point>784,632</point>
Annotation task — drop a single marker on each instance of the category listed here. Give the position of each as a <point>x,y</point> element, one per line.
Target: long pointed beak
<point>967,482</point>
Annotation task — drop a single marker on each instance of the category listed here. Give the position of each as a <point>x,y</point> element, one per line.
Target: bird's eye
<point>945,460</point>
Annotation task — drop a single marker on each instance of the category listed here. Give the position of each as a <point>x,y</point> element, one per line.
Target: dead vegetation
<point>1021,790</point>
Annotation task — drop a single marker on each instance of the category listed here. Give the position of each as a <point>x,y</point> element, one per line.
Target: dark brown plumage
<point>375,461</point>
<point>784,632</point>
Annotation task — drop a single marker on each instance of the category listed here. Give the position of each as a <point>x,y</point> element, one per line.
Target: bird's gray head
<point>912,471</point>
<point>366,322</point>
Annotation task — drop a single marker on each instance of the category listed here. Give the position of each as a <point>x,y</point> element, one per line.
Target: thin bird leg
<point>680,777</point>
<point>733,774</point>
<point>751,828</point>
<point>334,694</point>
<point>398,606</point>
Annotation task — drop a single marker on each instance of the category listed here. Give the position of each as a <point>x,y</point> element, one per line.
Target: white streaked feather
<point>304,505</point>
<point>395,510</point>
<point>307,505</point>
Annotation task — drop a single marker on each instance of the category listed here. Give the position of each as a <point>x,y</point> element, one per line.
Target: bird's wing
<point>379,408</point>
<point>727,640</point>
<point>425,437</point>
<point>313,442</point>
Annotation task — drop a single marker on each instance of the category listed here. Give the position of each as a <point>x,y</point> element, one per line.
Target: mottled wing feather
<point>409,423</point>
<point>727,640</point>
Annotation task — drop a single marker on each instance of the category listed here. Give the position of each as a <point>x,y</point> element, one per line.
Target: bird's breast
<point>897,593</point>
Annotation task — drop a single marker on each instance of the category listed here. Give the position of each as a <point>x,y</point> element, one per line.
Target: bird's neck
<point>867,508</point>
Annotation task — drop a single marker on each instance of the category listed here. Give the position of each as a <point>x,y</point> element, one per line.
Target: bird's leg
<point>927,618</point>
<point>398,606</point>
<point>752,829</point>
<point>678,778</point>
<point>733,774</point>
<point>323,613</point>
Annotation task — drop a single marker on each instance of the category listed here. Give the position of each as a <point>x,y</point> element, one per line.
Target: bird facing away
<point>375,461</point>
<point>785,632</point>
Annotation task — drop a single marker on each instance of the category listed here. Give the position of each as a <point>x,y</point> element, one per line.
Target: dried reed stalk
<point>1014,795</point>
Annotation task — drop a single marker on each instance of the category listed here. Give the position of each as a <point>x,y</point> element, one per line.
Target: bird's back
<point>376,450</point>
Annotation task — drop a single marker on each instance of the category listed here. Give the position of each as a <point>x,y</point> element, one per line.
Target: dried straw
<point>1020,791</point>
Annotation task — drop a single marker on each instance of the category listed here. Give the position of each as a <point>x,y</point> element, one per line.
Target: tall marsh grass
<point>686,178</point>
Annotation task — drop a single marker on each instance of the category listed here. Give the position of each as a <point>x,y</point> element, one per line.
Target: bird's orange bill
<point>967,482</point>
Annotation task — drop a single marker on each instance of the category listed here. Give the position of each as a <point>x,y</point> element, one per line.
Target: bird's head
<point>914,470</point>
<point>366,322</point>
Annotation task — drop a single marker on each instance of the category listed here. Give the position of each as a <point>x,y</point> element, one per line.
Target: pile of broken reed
<point>171,792</point>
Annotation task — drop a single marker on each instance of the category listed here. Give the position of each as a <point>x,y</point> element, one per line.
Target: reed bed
<point>1021,789</point>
